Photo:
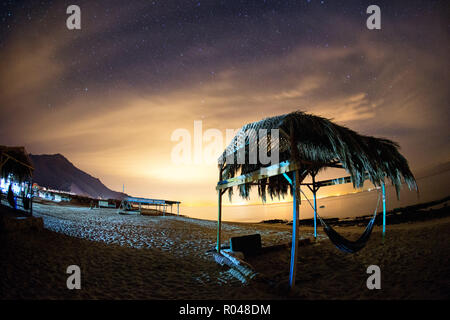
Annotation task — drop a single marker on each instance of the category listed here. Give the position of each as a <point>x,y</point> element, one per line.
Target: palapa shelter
<point>306,144</point>
<point>16,165</point>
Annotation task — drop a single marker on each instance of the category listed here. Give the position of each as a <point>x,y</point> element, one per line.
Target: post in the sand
<point>383,188</point>
<point>315,206</point>
<point>295,231</point>
<point>219,217</point>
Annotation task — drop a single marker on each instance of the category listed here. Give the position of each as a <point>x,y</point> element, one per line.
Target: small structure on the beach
<point>134,205</point>
<point>51,194</point>
<point>107,203</point>
<point>307,144</point>
<point>16,172</point>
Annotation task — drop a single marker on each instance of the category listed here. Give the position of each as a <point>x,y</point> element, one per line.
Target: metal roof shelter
<point>155,202</point>
<point>306,145</point>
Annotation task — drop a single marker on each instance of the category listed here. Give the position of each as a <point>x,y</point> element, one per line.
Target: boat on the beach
<point>130,212</point>
<point>126,208</point>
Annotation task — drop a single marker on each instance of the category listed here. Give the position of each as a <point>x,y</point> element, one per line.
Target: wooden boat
<point>130,212</point>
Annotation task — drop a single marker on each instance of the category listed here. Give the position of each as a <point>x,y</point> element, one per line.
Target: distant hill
<point>56,172</point>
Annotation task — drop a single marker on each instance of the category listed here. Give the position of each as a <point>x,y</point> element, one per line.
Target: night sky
<point>110,95</point>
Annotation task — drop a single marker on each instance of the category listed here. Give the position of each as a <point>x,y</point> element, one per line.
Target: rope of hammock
<point>339,241</point>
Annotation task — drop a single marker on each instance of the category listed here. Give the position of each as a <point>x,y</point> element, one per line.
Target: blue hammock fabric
<point>344,244</point>
<point>339,241</point>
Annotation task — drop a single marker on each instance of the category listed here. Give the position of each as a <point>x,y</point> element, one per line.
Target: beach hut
<point>306,144</point>
<point>16,171</point>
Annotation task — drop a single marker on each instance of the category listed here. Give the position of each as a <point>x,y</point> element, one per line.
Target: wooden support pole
<point>31,198</point>
<point>219,220</point>
<point>295,208</point>
<point>383,188</point>
<point>178,209</point>
<point>295,227</point>
<point>314,190</point>
<point>219,215</point>
<point>315,215</point>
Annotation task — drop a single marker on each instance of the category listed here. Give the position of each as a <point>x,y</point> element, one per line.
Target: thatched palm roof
<point>320,144</point>
<point>15,160</point>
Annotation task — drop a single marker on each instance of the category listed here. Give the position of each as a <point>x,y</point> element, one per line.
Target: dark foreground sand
<point>166,258</point>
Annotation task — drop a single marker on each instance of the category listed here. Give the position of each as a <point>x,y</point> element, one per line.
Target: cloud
<point>110,101</point>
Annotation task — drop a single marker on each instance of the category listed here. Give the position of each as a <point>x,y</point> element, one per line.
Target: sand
<point>151,257</point>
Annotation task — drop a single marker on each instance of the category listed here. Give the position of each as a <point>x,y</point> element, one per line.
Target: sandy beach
<point>156,257</point>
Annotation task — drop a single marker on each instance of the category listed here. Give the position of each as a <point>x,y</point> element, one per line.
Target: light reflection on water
<point>350,205</point>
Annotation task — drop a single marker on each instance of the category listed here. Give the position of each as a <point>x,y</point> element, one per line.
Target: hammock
<point>344,244</point>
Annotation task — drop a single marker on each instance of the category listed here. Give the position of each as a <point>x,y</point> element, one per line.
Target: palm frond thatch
<point>15,161</point>
<point>320,142</point>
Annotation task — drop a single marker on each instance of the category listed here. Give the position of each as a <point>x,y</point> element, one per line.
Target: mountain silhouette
<point>54,171</point>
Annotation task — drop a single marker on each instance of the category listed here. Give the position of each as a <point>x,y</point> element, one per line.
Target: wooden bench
<point>249,245</point>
